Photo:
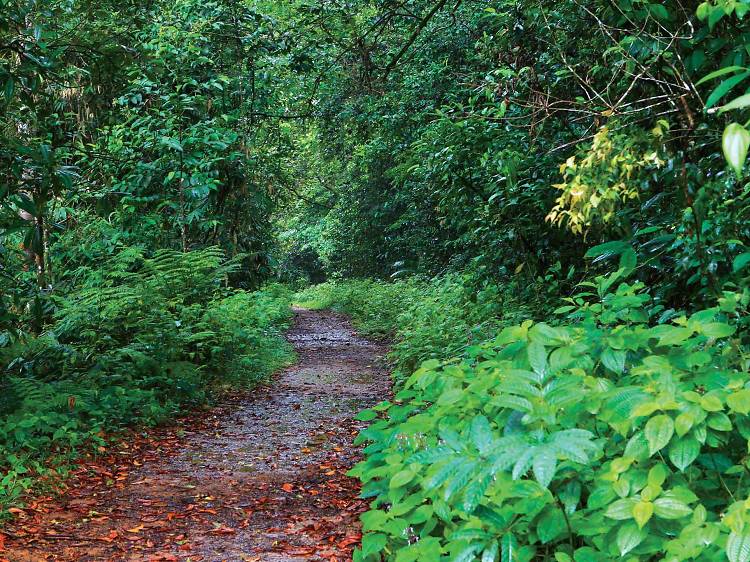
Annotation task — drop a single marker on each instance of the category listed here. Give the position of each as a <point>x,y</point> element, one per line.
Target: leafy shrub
<point>433,319</point>
<point>371,304</point>
<point>139,341</point>
<point>600,439</point>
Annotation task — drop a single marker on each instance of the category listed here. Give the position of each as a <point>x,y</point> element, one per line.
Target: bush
<point>433,319</point>
<point>141,340</point>
<point>603,438</point>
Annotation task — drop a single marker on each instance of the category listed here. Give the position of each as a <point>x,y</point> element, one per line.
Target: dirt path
<point>260,479</point>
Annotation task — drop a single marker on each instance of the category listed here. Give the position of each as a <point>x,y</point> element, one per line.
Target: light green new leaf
<point>740,401</point>
<point>673,335</point>
<point>738,103</point>
<point>717,330</point>
<point>538,358</point>
<point>642,512</point>
<point>735,142</point>
<point>402,478</point>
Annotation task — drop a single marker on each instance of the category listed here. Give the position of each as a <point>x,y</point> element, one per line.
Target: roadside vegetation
<point>544,207</point>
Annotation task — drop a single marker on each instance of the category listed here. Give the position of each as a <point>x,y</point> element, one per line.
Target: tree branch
<point>410,41</point>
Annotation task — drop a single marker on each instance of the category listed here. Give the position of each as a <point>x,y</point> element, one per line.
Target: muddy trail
<point>261,478</point>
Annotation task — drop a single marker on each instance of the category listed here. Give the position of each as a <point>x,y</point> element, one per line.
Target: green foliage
<point>424,319</point>
<point>602,439</point>
<point>141,340</point>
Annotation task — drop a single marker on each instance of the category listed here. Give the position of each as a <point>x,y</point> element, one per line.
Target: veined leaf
<point>475,492</point>
<point>671,508</point>
<point>658,432</point>
<point>481,435</point>
<point>544,465</point>
<point>738,546</point>
<point>629,536</point>
<point>683,452</point>
<point>621,509</point>
<point>508,547</point>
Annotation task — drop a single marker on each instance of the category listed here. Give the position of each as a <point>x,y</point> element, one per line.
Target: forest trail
<point>262,478</point>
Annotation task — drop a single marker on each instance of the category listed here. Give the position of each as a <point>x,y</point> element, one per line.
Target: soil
<point>262,478</point>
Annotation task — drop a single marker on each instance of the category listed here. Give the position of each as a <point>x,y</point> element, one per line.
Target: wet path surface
<point>261,479</point>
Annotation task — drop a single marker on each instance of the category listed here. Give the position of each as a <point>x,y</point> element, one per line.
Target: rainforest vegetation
<point>542,206</point>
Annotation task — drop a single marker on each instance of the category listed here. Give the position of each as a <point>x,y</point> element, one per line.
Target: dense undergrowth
<point>612,431</point>
<point>140,340</point>
<point>423,319</point>
<point>497,157</point>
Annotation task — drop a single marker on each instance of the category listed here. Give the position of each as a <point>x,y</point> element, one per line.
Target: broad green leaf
<point>629,536</point>
<point>475,492</point>
<point>671,508</point>
<point>608,249</point>
<point>481,434</point>
<point>366,415</point>
<point>658,432</point>
<point>628,261</point>
<point>442,474</point>
<point>674,335</point>
<point>717,330</point>
<point>719,421</point>
<point>538,358</point>
<point>372,543</point>
<point>544,466</point>
<point>491,552</point>
<point>683,452</point>
<point>570,496</point>
<point>621,509</point>
<point>551,525</point>
<point>614,360</point>
<point>402,478</point>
